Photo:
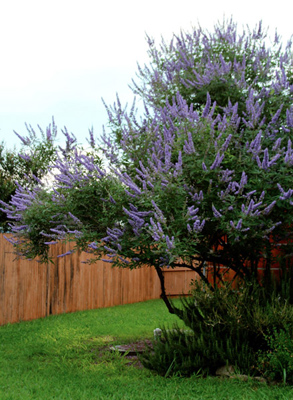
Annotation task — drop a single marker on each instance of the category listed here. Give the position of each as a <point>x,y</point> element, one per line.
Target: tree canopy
<point>203,176</point>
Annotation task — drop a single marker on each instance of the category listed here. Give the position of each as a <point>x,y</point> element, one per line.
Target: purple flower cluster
<point>136,218</point>
<point>76,170</point>
<point>192,216</point>
<point>285,195</point>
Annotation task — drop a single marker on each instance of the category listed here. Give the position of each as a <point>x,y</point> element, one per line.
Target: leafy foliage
<point>227,327</point>
<point>203,352</point>
<point>277,362</point>
<point>26,167</point>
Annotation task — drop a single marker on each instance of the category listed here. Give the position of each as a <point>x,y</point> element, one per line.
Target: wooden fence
<point>30,290</point>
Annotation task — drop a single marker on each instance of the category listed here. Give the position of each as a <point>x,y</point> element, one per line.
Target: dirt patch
<point>131,350</point>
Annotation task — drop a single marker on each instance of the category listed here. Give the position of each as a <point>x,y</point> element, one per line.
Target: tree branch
<point>171,308</point>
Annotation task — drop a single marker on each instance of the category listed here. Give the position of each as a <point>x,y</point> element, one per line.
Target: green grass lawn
<point>67,357</point>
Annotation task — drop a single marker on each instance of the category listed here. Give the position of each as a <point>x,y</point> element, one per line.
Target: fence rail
<point>30,290</point>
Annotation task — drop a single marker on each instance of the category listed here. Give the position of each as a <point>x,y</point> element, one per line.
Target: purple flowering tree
<point>204,176</point>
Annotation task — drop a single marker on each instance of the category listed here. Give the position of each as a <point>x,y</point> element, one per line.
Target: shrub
<point>277,362</point>
<point>179,352</point>
<point>226,326</point>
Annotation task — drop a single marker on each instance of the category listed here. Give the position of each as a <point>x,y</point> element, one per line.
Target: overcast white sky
<point>60,57</point>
